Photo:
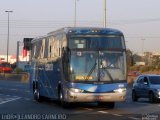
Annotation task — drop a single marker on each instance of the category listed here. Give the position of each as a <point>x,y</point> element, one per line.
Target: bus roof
<point>82,31</point>
<point>87,31</point>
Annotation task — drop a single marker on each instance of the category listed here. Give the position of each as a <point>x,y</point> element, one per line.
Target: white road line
<point>18,85</point>
<point>141,103</point>
<point>117,115</point>
<point>102,112</point>
<point>27,91</point>
<point>8,95</point>
<point>28,99</point>
<point>15,96</point>
<point>134,118</point>
<point>3,102</point>
<point>88,108</point>
<point>13,89</point>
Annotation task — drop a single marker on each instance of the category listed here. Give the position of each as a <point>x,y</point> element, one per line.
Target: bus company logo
<point>49,67</point>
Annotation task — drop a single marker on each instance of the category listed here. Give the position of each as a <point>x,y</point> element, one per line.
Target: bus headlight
<point>120,90</point>
<point>75,90</point>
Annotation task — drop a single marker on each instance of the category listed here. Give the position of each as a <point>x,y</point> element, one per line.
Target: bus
<point>80,64</point>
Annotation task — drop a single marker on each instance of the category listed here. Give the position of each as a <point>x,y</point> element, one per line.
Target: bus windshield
<point>104,66</point>
<point>96,42</point>
<point>83,66</point>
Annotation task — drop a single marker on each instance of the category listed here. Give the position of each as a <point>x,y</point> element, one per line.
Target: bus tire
<point>61,99</point>
<point>109,105</point>
<point>37,95</point>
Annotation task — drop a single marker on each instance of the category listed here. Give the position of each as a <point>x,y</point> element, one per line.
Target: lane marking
<point>9,100</point>
<point>117,115</point>
<point>8,95</point>
<point>141,103</point>
<point>27,91</point>
<point>134,118</point>
<point>13,89</point>
<point>28,99</point>
<point>102,112</point>
<point>88,108</point>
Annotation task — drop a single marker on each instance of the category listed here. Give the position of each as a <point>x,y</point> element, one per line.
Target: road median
<point>22,77</point>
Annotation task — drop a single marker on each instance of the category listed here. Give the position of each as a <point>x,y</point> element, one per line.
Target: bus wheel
<point>61,99</point>
<point>36,94</point>
<point>109,105</point>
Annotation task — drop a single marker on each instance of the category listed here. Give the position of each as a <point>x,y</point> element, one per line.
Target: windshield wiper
<point>91,71</point>
<point>105,68</point>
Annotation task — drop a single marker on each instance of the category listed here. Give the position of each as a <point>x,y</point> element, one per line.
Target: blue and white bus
<point>80,65</point>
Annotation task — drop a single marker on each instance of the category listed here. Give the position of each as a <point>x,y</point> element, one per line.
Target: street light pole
<point>75,14</point>
<point>8,35</point>
<point>105,16</point>
<point>17,57</point>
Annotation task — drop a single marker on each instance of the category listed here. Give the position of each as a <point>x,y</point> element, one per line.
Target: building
<point>12,58</point>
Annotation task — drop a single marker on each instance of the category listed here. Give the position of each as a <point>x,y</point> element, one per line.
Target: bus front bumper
<point>95,97</point>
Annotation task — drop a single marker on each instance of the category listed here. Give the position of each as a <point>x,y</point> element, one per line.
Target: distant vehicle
<point>80,65</point>
<point>134,73</point>
<point>5,68</point>
<point>146,86</point>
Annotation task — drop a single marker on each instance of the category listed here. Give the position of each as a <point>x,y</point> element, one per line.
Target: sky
<point>139,20</point>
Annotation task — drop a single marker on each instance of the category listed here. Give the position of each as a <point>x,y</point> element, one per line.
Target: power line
<point>57,22</point>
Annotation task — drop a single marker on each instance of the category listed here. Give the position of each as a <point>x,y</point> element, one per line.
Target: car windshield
<point>154,79</point>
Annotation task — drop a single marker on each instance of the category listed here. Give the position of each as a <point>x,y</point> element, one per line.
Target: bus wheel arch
<point>61,97</point>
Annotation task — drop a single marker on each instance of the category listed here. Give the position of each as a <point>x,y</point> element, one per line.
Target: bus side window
<point>42,49</point>
<point>50,42</point>
<point>46,48</point>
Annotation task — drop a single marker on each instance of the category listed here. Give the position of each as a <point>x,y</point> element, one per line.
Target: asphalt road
<point>16,102</point>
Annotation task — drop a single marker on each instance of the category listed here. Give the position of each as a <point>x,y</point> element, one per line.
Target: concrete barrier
<point>23,77</point>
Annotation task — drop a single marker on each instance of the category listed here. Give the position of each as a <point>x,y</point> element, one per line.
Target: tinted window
<point>140,80</point>
<point>154,79</point>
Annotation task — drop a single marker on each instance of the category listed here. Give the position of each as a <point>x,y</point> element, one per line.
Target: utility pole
<point>17,57</point>
<point>105,16</point>
<point>8,35</point>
